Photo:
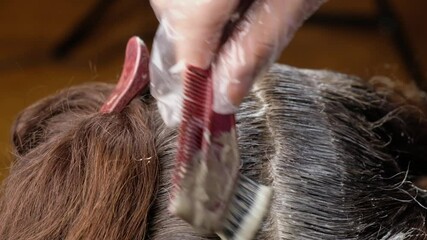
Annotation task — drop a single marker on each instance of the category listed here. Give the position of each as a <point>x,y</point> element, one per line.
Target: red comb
<point>134,77</point>
<point>197,90</point>
<point>205,139</point>
<point>209,192</point>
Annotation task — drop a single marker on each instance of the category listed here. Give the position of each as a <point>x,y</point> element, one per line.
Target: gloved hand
<point>239,39</point>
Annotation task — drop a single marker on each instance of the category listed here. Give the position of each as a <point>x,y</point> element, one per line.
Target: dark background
<point>47,45</point>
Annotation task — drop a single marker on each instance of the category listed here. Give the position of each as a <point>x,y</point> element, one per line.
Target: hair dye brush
<point>209,192</point>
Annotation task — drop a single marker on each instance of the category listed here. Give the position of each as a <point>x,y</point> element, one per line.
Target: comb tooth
<point>195,84</point>
<point>134,78</point>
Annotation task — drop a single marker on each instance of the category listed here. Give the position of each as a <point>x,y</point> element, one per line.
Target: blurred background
<point>48,45</point>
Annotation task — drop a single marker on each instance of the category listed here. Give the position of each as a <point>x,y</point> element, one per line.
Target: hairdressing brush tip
<point>249,204</point>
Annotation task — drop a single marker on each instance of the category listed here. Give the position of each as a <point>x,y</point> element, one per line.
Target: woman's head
<point>340,156</point>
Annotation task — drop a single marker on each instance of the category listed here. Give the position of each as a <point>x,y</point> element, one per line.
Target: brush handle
<point>134,78</point>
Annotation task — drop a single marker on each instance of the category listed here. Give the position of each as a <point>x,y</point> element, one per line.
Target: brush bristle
<point>246,210</point>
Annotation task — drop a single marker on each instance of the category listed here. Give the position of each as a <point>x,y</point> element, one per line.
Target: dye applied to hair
<point>341,156</point>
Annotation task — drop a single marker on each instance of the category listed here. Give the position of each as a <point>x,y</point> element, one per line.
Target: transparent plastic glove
<point>237,41</point>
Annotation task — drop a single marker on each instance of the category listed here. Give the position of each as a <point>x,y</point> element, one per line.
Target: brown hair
<point>77,173</point>
<point>341,156</point>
